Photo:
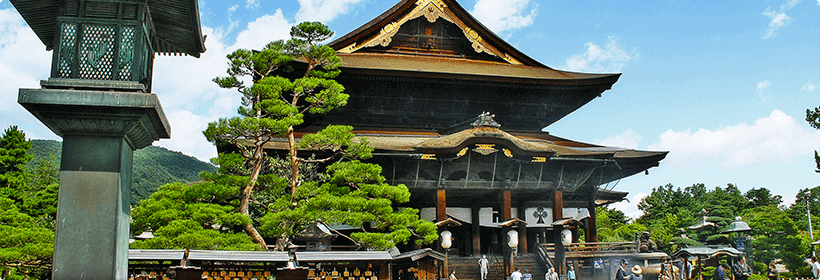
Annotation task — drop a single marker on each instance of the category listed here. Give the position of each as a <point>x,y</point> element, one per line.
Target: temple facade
<point>459,116</point>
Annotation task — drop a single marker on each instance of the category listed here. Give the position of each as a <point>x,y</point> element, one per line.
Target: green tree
<point>289,198</point>
<point>26,244</point>
<point>191,216</point>
<point>813,118</point>
<point>615,226</point>
<point>13,158</point>
<point>775,236</point>
<point>26,213</point>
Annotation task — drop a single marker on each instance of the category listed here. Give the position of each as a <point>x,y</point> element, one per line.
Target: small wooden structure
<point>423,264</point>
<point>707,256</point>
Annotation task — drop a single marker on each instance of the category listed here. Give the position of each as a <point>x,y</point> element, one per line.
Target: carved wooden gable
<point>431,28</point>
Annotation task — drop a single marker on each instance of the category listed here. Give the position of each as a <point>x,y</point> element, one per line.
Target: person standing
<point>815,268</point>
<point>684,268</point>
<point>636,273</point>
<point>621,274</point>
<point>741,269</point>
<point>527,275</point>
<point>571,273</point>
<point>719,272</point>
<point>516,275</point>
<point>551,275</point>
<point>772,273</point>
<point>483,264</point>
<point>453,275</point>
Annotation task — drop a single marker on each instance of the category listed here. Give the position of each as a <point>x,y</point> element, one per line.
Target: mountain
<point>153,166</point>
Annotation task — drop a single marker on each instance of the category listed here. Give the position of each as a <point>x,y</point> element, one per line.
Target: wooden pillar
<point>592,223</point>
<point>441,205</point>
<point>505,215</point>
<point>476,230</point>
<point>558,210</point>
<point>558,213</point>
<point>523,249</point>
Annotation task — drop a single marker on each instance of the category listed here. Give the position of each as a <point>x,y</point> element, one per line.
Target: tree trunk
<point>294,165</point>
<point>244,206</point>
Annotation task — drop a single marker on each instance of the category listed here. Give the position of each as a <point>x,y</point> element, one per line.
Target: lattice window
<point>126,56</point>
<point>67,49</point>
<point>97,52</point>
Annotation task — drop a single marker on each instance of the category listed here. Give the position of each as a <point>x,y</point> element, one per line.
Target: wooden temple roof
<point>382,44</point>
<point>176,23</point>
<point>420,142</point>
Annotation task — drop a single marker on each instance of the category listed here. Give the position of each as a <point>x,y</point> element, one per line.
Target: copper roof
<point>461,66</point>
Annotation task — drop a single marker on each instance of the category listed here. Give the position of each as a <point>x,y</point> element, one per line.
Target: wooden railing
<point>594,247</point>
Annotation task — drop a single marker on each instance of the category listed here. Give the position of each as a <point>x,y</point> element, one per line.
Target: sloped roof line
<point>389,22</point>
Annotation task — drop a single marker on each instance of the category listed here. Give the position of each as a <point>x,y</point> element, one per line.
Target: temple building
<point>459,116</point>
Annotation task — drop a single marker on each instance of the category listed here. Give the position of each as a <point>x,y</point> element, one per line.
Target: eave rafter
<point>432,10</point>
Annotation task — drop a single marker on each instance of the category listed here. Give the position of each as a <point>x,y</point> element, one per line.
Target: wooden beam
<point>522,233</point>
<point>476,230</point>
<point>506,205</point>
<point>441,205</point>
<point>592,224</point>
<point>558,210</point>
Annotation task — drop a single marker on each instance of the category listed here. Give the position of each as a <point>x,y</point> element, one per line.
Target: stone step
<point>467,267</point>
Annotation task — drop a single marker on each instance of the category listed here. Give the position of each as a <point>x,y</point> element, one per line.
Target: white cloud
<point>23,63</point>
<point>630,208</point>
<point>610,58</point>
<point>808,86</point>
<point>263,30</point>
<point>790,4</point>
<point>190,99</point>
<point>628,139</point>
<point>323,10</point>
<point>777,137</point>
<point>252,4</point>
<point>187,137</point>
<point>778,20</point>
<point>503,15</point>
<point>763,85</point>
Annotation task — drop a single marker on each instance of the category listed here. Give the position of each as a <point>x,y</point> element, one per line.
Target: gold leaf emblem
<point>485,149</point>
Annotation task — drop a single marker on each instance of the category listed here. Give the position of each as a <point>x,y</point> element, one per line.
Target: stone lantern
<point>98,99</point>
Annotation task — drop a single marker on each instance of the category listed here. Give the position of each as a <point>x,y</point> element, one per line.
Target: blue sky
<point>723,86</point>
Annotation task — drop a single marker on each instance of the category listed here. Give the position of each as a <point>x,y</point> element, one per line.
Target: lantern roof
<point>176,24</point>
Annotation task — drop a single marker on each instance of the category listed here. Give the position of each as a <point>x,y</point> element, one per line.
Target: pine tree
<point>287,194</point>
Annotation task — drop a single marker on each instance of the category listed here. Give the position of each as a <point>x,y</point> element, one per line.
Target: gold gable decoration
<point>432,10</point>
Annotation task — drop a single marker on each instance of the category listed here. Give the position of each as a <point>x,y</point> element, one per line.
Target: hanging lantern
<point>512,238</point>
<point>566,237</point>
<point>446,239</point>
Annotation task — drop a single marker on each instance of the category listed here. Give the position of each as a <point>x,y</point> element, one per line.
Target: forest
<point>29,180</point>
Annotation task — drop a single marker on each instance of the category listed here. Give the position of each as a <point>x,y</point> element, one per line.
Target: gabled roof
<point>176,23</point>
<point>354,47</point>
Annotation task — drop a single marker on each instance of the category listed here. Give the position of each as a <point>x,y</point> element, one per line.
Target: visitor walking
<point>483,264</point>
<point>815,268</point>
<point>719,272</point>
<point>551,275</point>
<point>516,275</point>
<point>453,275</point>
<point>741,269</point>
<point>621,273</point>
<point>636,273</point>
<point>684,269</point>
<point>571,273</point>
<point>772,273</point>
<point>527,275</point>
